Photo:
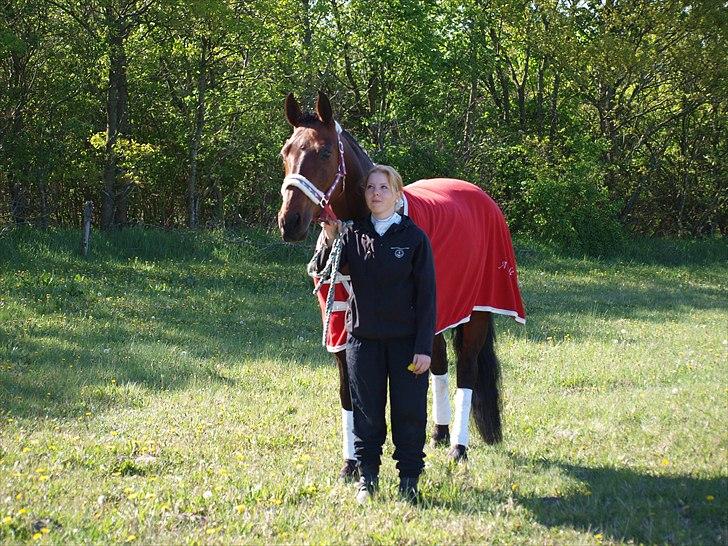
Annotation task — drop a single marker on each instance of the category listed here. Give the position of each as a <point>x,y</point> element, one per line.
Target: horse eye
<point>325,153</point>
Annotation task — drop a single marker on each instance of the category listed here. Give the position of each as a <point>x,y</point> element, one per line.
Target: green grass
<point>171,389</point>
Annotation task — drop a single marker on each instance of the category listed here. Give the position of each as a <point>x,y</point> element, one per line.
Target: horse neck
<point>351,203</point>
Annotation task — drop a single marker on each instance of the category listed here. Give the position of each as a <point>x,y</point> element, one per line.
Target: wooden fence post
<point>88,209</point>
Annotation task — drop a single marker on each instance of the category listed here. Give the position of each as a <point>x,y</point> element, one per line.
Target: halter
<point>312,192</point>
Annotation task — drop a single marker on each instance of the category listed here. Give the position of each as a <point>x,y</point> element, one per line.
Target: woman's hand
<point>422,364</point>
<point>332,229</point>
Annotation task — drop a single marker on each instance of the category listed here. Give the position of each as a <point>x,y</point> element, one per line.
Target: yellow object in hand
<point>411,367</point>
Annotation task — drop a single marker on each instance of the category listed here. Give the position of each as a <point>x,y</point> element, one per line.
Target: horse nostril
<point>292,223</point>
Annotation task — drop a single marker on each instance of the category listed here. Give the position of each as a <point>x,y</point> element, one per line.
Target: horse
<point>318,152</point>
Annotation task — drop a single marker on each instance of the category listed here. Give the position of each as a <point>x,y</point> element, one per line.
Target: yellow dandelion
<point>514,487</point>
<point>43,478</point>
<point>665,462</point>
<point>131,538</point>
<point>26,449</point>
<point>45,530</point>
<point>710,498</point>
<point>240,508</point>
<point>7,520</point>
<point>37,536</point>
<point>599,537</point>
<point>22,511</point>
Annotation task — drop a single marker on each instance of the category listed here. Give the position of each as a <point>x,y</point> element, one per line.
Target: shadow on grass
<point>637,251</point>
<point>95,334</point>
<point>626,505</point>
<point>619,504</point>
<point>225,299</point>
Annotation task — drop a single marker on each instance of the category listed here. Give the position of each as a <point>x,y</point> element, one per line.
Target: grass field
<point>172,389</point>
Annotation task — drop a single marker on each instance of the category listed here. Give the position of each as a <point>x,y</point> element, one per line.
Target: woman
<point>391,323</point>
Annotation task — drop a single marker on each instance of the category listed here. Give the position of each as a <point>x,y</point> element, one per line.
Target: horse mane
<point>363,157</point>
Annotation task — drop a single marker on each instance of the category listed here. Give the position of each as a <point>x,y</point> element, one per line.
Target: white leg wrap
<point>440,399</point>
<point>459,433</point>
<point>347,434</point>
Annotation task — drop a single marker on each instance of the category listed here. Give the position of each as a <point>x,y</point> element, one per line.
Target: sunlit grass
<point>171,388</point>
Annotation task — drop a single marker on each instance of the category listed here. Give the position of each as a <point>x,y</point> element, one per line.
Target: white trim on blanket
<point>336,348</point>
<point>508,312</point>
<point>488,309</point>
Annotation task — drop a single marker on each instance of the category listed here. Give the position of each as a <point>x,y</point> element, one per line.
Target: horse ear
<point>323,109</point>
<point>293,110</point>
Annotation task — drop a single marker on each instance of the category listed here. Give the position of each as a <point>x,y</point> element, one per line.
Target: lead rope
<point>329,273</point>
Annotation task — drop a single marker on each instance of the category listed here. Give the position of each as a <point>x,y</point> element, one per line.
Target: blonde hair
<point>391,174</point>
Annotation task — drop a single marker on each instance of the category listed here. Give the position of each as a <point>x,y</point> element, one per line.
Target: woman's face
<point>380,197</point>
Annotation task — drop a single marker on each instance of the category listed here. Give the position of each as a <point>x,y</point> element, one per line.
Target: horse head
<point>311,159</point>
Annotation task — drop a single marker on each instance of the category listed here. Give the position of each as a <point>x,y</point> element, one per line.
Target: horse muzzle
<point>293,226</point>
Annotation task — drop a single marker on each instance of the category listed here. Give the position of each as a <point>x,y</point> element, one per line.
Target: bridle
<point>322,199</point>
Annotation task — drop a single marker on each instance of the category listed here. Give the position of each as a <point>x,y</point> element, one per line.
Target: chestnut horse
<point>319,152</point>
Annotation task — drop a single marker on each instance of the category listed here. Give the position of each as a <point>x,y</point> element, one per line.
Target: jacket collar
<point>365,225</point>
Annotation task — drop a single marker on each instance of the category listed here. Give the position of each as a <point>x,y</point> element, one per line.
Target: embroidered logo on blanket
<point>399,251</point>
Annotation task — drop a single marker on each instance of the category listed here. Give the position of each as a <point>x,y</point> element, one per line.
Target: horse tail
<point>486,402</point>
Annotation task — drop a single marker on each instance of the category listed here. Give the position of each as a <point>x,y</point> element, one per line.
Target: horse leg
<point>486,396</point>
<point>440,393</point>
<point>477,384</point>
<point>349,470</point>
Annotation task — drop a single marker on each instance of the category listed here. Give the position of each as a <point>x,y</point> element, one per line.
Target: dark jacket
<point>393,282</point>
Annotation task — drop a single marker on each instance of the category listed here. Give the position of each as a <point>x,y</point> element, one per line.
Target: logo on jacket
<point>399,251</point>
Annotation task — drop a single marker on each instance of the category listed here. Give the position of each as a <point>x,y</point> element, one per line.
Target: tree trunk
<point>114,114</point>
<point>505,91</point>
<point>43,198</point>
<point>311,80</point>
<point>359,110</point>
<point>193,199</point>
<point>539,97</point>
<point>218,211</point>
<point>18,200</point>
<point>521,87</point>
<point>554,112</point>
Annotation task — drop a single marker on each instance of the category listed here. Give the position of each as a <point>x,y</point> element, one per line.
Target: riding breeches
<point>373,363</point>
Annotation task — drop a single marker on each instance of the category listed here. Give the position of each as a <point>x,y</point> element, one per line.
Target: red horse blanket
<point>475,267</point>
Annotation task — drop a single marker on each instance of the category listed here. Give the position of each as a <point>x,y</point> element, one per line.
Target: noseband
<point>322,199</point>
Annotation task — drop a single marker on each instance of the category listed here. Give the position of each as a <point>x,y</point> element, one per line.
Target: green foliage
<point>570,115</point>
<point>567,204</point>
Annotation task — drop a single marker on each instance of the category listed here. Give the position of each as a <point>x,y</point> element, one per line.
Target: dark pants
<point>371,363</point>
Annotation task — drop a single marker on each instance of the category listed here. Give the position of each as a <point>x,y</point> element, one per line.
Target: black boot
<point>408,489</point>
<point>368,485</point>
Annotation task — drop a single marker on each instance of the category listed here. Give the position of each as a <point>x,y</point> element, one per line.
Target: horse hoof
<point>440,436</point>
<point>350,471</point>
<point>458,454</point>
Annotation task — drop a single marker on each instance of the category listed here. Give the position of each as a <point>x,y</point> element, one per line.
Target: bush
<point>568,205</point>
<point>556,199</point>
